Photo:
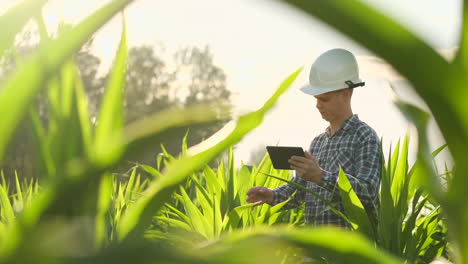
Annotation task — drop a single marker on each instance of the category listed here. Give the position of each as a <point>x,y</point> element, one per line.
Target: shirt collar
<point>347,124</point>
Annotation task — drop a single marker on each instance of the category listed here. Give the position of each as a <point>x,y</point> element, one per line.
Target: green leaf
<point>337,245</point>
<point>400,178</point>
<point>400,186</point>
<point>41,146</point>
<point>212,181</point>
<point>17,94</point>
<point>387,209</point>
<point>130,185</point>
<point>231,181</point>
<point>69,131</point>
<point>184,143</point>
<point>111,116</point>
<point>103,205</point>
<point>221,176</point>
<point>181,215</point>
<point>275,209</point>
<point>393,159</point>
<point>424,172</point>
<point>345,246</point>
<point>175,223</point>
<point>20,88</point>
<point>318,196</point>
<point>7,209</point>
<point>197,220</point>
<point>208,208</point>
<point>438,150</point>
<point>152,171</point>
<point>159,191</point>
<point>19,191</point>
<point>354,208</point>
<point>149,130</point>
<point>232,220</point>
<point>217,216</point>
<point>409,240</point>
<point>83,116</point>
<point>244,177</point>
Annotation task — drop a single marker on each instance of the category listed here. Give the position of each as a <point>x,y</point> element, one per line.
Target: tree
<point>206,83</point>
<point>88,65</point>
<point>151,86</point>
<point>148,83</point>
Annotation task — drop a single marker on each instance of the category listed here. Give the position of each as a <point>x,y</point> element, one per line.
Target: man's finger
<point>302,165</point>
<point>254,190</point>
<point>255,205</point>
<point>300,159</point>
<point>298,162</point>
<point>299,166</point>
<point>297,169</point>
<point>293,162</point>
<point>253,199</point>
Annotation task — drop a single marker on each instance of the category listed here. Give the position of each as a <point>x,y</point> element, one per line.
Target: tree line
<point>152,85</point>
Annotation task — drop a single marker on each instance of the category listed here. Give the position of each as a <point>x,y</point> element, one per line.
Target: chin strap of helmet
<point>354,85</point>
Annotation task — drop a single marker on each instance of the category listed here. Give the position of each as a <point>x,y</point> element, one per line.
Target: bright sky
<point>259,43</point>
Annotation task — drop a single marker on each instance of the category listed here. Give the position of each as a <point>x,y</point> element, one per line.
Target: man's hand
<point>307,168</point>
<point>259,194</point>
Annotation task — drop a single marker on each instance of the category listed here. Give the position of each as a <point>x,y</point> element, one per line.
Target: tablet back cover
<point>279,156</point>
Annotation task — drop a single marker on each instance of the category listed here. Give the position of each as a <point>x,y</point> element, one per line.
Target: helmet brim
<point>315,90</point>
<point>311,90</point>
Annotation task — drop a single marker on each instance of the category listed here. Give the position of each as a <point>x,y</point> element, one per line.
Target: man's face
<point>331,104</point>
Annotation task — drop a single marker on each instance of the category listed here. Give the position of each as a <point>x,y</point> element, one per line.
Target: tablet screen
<point>280,155</point>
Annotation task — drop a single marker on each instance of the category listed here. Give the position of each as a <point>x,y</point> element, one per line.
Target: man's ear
<point>344,93</point>
<point>348,92</point>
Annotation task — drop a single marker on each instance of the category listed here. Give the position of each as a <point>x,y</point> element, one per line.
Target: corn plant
<point>77,155</point>
<point>213,201</point>
<point>444,93</point>
<point>13,199</point>
<point>420,236</point>
<point>115,197</point>
<point>410,223</point>
<point>67,222</point>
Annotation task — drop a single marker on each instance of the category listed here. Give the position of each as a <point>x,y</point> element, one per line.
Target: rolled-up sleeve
<point>283,192</point>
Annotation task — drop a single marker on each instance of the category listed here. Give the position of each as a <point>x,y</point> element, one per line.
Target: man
<point>347,142</point>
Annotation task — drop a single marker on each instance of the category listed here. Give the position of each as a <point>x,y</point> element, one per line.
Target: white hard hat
<point>334,70</point>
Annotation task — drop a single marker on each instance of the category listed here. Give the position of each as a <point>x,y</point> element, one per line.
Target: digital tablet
<point>280,155</point>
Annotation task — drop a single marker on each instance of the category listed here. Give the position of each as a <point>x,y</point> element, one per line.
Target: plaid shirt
<point>355,147</point>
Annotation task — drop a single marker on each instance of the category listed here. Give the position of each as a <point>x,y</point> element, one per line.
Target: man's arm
<point>283,192</point>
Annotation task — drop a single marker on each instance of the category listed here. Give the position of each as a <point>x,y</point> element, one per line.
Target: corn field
<point>181,210</point>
